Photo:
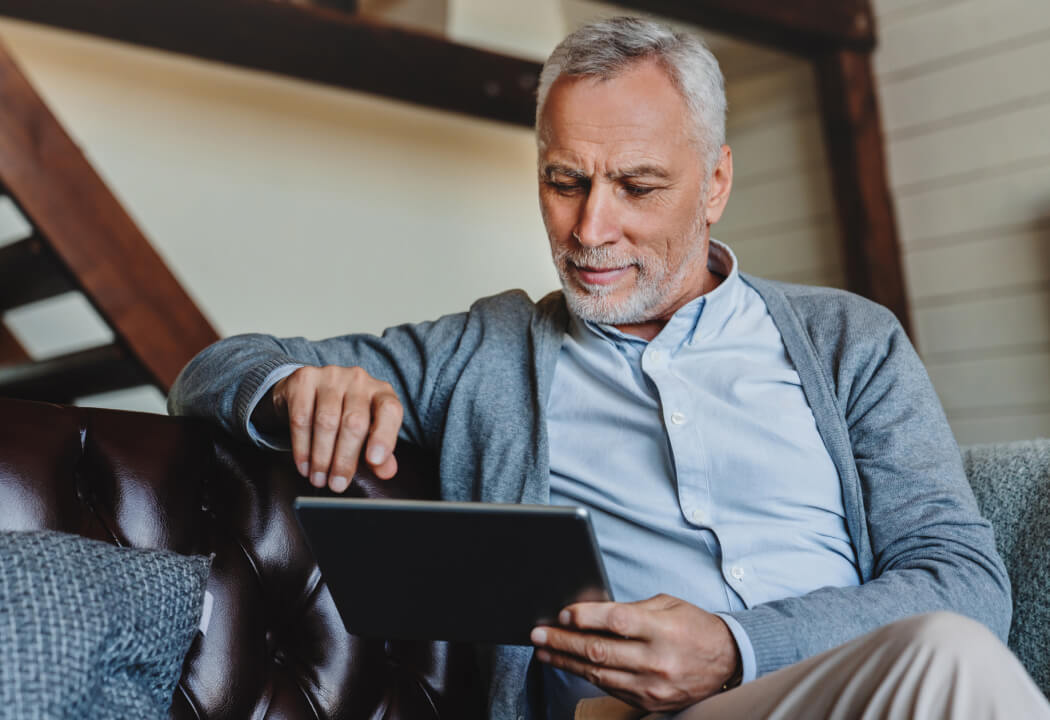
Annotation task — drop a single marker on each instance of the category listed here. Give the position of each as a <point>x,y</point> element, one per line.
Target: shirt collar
<point>682,328</point>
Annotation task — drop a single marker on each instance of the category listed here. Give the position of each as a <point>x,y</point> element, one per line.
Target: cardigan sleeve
<point>223,382</point>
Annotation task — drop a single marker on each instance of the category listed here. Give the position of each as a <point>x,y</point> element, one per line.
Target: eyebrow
<point>555,169</point>
<point>631,172</point>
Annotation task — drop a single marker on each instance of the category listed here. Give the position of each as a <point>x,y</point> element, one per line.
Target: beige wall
<point>296,209</point>
<point>283,206</point>
<point>966,108</point>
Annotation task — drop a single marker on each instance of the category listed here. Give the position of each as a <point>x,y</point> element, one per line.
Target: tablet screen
<point>472,572</point>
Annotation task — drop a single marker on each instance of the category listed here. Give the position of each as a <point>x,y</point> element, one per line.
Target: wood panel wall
<point>965,92</point>
<point>781,217</point>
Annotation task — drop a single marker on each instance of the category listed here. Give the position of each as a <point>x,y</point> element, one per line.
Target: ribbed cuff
<point>771,640</point>
<point>259,380</point>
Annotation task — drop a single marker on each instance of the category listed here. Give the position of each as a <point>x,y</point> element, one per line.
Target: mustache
<point>596,257</point>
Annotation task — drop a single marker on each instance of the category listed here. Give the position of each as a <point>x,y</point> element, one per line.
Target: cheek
<point>557,213</point>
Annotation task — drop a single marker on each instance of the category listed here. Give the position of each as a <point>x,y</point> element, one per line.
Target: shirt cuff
<point>268,441</point>
<point>748,664</point>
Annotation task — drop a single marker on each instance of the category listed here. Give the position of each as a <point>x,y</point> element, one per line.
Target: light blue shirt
<point>699,459</point>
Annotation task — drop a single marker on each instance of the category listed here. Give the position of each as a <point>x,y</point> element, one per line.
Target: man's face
<point>624,197</point>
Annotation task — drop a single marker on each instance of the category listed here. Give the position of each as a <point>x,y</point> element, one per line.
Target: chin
<point>604,308</point>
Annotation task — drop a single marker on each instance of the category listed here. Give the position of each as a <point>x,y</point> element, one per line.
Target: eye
<point>637,190</point>
<point>565,188</point>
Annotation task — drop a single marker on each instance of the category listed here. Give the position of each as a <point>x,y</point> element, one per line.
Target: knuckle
<point>299,421</point>
<point>326,420</point>
<point>356,374</point>
<point>303,380</point>
<point>665,695</point>
<point>303,374</point>
<point>391,405</point>
<point>665,668</point>
<point>620,620</point>
<point>355,423</point>
<point>657,694</point>
<point>594,676</point>
<point>596,651</point>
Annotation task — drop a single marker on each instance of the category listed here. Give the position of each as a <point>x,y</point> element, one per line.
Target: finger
<point>613,679</point>
<point>300,403</point>
<point>387,469</point>
<point>328,409</point>
<point>623,619</point>
<point>387,414</point>
<point>353,428</point>
<point>600,650</point>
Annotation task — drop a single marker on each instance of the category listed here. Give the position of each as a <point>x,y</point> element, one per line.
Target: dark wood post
<point>853,131</point>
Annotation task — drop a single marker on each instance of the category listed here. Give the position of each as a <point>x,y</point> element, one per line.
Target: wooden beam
<point>853,132</point>
<point>801,27</point>
<point>119,271</point>
<point>311,43</point>
<point>68,377</point>
<point>29,272</point>
<point>349,6</point>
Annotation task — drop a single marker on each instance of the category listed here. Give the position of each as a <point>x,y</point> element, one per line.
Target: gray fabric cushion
<point>92,630</point>
<point>1012,485</point>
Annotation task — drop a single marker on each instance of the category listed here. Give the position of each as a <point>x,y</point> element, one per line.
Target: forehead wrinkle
<point>571,163</point>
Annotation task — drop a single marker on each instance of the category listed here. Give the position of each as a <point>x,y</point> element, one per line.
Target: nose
<point>598,223</point>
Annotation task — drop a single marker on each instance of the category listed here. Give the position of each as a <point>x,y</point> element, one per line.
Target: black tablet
<point>475,572</point>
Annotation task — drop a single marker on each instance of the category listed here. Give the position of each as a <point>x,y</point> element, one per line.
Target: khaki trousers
<point>939,666</point>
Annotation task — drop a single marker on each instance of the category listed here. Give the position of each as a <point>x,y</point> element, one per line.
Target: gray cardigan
<point>475,387</point>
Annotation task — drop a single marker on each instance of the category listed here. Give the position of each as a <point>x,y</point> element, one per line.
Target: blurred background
<point>293,208</point>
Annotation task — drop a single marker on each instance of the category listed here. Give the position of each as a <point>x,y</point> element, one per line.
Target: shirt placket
<point>682,426</point>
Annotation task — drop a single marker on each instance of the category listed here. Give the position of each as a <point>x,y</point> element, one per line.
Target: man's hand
<point>334,413</point>
<point>660,654</point>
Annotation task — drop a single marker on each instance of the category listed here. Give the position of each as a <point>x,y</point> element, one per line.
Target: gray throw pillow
<point>92,630</point>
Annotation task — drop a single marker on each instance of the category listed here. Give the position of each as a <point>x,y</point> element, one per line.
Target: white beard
<point>654,285</point>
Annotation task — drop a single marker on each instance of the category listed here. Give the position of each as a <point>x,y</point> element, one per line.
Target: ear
<point>719,185</point>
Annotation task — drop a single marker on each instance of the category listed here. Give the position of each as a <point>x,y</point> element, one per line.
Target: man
<point>770,457</point>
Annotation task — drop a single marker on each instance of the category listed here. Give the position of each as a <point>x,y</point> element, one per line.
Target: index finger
<point>601,650</point>
<point>615,618</point>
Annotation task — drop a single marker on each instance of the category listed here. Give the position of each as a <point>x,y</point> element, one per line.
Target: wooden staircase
<point>82,239</point>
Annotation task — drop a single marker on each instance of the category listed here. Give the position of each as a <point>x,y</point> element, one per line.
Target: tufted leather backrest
<point>275,646</point>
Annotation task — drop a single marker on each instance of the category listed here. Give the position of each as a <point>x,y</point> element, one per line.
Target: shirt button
<point>677,418</point>
<point>737,572</point>
<point>699,517</point>
<point>656,356</point>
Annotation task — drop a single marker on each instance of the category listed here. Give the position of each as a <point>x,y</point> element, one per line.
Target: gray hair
<point>607,48</point>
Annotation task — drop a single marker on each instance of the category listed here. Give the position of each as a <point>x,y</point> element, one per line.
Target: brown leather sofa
<point>275,646</point>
